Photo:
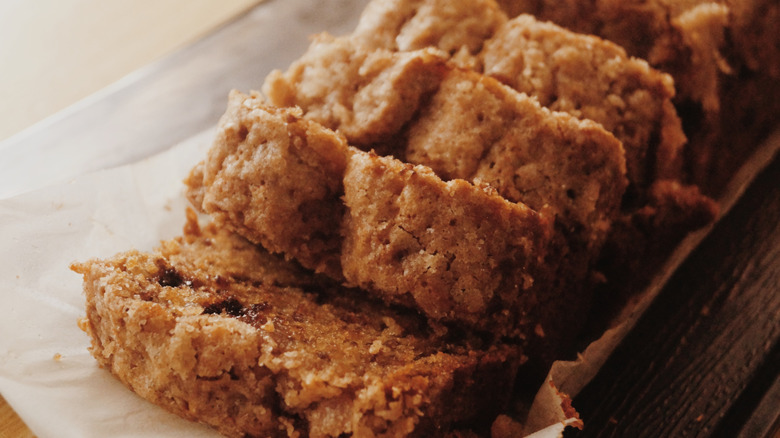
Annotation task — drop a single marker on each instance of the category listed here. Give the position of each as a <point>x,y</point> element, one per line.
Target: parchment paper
<point>46,372</point>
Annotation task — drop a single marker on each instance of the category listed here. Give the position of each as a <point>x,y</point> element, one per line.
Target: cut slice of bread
<point>366,94</point>
<point>457,28</point>
<point>217,330</point>
<point>580,74</point>
<point>594,79</point>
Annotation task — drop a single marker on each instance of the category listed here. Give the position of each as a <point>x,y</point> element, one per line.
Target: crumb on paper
<point>83,324</point>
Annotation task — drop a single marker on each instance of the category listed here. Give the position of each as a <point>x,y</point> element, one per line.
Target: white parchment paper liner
<point>46,372</point>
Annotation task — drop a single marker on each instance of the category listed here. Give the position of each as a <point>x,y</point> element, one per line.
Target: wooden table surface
<point>57,52</point>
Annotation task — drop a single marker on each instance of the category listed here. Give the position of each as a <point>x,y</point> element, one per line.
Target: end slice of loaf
<point>217,330</point>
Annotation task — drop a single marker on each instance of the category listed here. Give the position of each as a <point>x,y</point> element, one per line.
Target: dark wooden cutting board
<point>704,359</point>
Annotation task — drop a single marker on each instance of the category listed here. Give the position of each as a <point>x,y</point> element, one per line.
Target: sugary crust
<point>216,330</point>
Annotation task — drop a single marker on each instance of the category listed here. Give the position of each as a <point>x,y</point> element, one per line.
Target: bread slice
<point>580,74</point>
<point>217,330</point>
<point>366,94</point>
<point>594,79</point>
<point>476,129</point>
<point>456,251</point>
<point>724,56</point>
<point>277,181</point>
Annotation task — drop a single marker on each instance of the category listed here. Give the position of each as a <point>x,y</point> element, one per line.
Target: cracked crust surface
<point>457,28</point>
<point>217,330</point>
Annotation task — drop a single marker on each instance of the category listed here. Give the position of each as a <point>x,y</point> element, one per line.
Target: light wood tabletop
<point>57,52</point>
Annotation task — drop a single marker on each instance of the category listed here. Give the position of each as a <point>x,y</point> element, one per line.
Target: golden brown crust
<point>214,329</point>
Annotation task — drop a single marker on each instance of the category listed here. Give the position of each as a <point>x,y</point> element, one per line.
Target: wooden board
<point>704,360</point>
